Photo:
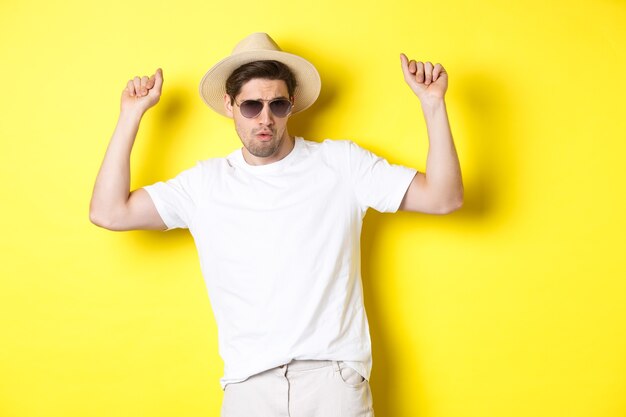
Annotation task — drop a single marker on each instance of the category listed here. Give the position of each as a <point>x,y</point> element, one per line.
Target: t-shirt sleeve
<point>377,183</point>
<point>176,199</point>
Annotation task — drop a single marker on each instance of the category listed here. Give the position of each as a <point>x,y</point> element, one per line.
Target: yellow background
<point>512,306</point>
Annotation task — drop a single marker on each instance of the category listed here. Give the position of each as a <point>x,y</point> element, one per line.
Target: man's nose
<point>266,117</point>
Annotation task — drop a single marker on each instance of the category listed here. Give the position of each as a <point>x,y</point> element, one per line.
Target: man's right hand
<point>142,93</point>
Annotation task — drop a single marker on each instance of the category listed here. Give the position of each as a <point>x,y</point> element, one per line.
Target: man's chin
<point>263,151</point>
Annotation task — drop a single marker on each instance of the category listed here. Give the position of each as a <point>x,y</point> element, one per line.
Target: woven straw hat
<point>258,47</point>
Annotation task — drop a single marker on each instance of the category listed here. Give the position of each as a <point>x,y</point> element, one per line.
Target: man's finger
<point>437,71</point>
<point>158,79</point>
<point>137,84</point>
<point>150,82</point>
<point>130,87</point>
<point>428,72</point>
<point>404,61</point>
<point>420,72</point>
<point>144,84</point>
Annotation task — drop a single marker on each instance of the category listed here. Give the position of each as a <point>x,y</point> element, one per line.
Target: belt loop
<point>336,366</point>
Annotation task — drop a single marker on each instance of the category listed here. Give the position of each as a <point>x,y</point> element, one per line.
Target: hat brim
<point>213,84</point>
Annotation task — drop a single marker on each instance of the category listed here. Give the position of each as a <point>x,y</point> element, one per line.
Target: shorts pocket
<point>350,377</point>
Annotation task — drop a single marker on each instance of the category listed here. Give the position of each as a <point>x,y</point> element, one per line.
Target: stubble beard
<point>264,149</point>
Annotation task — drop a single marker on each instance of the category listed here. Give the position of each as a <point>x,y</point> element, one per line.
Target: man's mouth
<point>264,136</point>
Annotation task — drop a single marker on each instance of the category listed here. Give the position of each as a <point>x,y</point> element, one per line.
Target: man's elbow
<point>452,205</point>
<point>104,220</point>
<point>99,221</point>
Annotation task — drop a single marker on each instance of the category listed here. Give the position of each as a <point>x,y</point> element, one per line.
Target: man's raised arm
<point>440,189</point>
<point>112,204</point>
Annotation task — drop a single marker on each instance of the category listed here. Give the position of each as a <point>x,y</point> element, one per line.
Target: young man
<point>277,226</point>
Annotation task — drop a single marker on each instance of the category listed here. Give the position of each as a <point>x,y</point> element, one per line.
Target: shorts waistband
<point>306,364</point>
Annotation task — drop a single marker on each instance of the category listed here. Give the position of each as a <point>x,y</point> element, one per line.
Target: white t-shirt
<point>279,249</point>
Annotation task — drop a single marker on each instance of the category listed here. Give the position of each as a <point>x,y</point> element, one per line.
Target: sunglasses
<point>280,107</point>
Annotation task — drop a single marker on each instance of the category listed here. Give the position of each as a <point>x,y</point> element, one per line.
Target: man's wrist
<point>131,115</point>
<point>433,105</point>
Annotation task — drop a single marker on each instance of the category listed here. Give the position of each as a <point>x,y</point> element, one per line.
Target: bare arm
<point>440,189</point>
<point>112,204</point>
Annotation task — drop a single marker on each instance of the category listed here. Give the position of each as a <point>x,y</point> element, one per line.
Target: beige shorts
<point>301,388</point>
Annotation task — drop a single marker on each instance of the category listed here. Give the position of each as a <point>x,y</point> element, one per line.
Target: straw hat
<point>258,47</point>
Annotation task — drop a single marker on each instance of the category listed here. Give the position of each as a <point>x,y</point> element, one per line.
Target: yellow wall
<point>512,306</point>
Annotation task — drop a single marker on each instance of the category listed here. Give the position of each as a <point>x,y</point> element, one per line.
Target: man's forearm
<point>443,171</point>
<point>112,186</point>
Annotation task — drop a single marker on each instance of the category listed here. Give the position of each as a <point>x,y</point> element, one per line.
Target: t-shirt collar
<point>237,159</point>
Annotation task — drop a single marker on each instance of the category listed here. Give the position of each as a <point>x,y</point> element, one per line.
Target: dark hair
<point>269,70</point>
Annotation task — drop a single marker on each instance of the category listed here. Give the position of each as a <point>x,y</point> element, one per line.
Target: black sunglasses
<point>280,107</point>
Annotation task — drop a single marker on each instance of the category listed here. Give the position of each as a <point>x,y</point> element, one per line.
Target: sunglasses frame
<point>269,103</point>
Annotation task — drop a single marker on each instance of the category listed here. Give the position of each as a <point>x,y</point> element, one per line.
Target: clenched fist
<point>142,93</point>
<point>426,81</point>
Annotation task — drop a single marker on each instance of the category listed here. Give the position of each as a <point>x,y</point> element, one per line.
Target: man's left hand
<point>427,82</point>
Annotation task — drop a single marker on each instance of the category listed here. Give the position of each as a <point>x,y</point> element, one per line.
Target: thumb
<point>404,62</point>
<point>158,79</point>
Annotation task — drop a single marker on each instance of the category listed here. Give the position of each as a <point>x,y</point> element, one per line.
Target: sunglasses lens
<point>281,107</point>
<point>250,108</point>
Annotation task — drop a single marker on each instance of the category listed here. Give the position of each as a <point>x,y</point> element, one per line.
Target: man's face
<point>264,136</point>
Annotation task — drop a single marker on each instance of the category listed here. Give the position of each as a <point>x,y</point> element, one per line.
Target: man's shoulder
<point>344,147</point>
<point>217,162</point>
<point>330,144</point>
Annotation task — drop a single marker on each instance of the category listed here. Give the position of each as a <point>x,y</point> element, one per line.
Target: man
<point>277,226</point>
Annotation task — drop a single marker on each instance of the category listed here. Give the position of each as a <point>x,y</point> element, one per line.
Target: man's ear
<point>228,106</point>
